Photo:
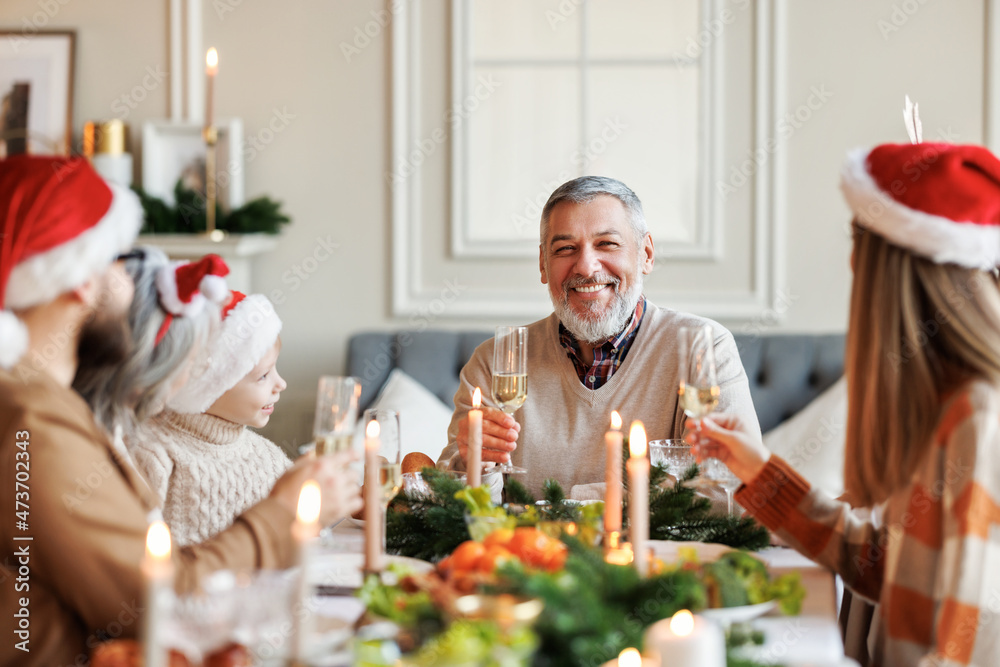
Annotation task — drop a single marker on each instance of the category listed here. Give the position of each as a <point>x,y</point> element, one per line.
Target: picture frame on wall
<point>173,151</point>
<point>36,92</point>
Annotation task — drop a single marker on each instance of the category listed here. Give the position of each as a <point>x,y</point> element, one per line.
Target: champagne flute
<point>390,450</point>
<point>510,376</point>
<point>336,413</point>
<point>699,396</point>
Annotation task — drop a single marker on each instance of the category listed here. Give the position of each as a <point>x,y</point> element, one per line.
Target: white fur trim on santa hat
<point>13,339</point>
<point>43,277</point>
<point>244,337</point>
<point>944,241</point>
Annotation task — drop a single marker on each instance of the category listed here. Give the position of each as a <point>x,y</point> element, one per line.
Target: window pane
<point>521,144</point>
<point>641,28</point>
<point>523,29</point>
<point>643,130</point>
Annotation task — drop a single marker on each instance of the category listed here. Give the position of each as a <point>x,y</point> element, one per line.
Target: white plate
<point>729,615</point>
<point>343,570</point>
<point>667,550</point>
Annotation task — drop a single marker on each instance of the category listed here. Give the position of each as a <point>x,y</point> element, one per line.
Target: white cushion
<point>813,440</point>
<point>423,417</point>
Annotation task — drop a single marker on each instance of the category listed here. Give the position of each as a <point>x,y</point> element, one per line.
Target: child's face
<point>252,400</point>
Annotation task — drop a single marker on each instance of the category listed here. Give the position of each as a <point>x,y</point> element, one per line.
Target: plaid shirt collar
<point>608,356</point>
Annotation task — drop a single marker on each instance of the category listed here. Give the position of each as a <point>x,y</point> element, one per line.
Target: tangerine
<point>466,556</point>
<point>529,545</point>
<point>494,556</point>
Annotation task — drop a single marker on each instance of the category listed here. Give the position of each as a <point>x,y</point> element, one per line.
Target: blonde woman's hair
<point>918,330</point>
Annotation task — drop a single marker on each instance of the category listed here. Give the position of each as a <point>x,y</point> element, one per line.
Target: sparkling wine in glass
<point>510,376</point>
<point>390,453</point>
<point>336,414</point>
<point>699,396</point>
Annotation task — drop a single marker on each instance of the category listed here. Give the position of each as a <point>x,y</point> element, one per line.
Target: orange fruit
<point>554,556</point>
<point>529,545</point>
<point>466,556</point>
<point>499,537</point>
<point>494,556</point>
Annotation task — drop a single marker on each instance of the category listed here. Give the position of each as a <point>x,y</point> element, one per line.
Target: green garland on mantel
<point>188,216</point>
<point>431,527</point>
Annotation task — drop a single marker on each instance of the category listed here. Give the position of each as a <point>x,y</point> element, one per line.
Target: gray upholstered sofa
<point>786,372</point>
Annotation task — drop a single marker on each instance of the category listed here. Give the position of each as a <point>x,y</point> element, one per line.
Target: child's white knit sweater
<point>206,471</point>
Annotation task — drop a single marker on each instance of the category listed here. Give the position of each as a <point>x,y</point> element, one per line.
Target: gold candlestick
<point>211,135</point>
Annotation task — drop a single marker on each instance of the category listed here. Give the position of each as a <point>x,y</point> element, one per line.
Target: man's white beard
<point>597,325</point>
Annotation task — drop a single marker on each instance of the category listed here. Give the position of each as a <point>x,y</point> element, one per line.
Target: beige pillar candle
<point>638,500</point>
<point>211,69</point>
<point>686,640</point>
<point>158,572</point>
<point>373,500</point>
<point>305,530</point>
<point>475,462</point>
<point>613,475</point>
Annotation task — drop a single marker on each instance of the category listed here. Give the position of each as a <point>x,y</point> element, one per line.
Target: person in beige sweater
<point>606,347</point>
<point>200,456</point>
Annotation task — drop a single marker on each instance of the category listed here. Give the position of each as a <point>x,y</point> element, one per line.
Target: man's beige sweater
<point>563,423</point>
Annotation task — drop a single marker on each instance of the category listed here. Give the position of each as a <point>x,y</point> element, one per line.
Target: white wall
<point>328,165</point>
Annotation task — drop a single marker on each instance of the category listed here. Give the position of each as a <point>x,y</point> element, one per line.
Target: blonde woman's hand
<point>339,491</point>
<point>728,439</point>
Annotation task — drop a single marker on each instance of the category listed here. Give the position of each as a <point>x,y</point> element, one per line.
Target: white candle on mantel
<point>638,500</point>
<point>304,531</point>
<point>475,463</point>
<point>158,571</point>
<point>686,640</point>
<point>373,500</point>
<point>211,69</point>
<point>613,475</point>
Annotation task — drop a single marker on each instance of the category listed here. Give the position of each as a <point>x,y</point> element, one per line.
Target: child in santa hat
<point>922,531</point>
<point>200,455</point>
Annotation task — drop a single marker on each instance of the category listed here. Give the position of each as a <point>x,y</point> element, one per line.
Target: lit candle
<point>373,501</point>
<point>686,640</point>
<point>158,571</point>
<point>304,532</point>
<point>613,475</point>
<point>638,501</point>
<point>475,465</point>
<point>211,69</point>
<point>630,657</point>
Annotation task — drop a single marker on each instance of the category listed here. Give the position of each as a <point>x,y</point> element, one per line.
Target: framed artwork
<point>174,152</point>
<point>36,92</point>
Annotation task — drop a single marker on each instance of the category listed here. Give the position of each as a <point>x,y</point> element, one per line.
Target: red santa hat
<point>250,327</point>
<point>186,287</point>
<point>940,201</point>
<point>61,225</point>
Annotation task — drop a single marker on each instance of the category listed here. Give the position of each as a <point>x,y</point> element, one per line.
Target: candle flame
<point>372,429</point>
<point>616,421</point>
<point>212,60</point>
<point>682,624</point>
<point>477,399</point>
<point>629,658</point>
<point>158,540</point>
<point>309,502</point>
<point>637,440</point>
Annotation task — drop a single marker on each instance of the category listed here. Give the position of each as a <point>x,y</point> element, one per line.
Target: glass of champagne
<point>510,376</point>
<point>390,453</point>
<point>336,413</point>
<point>699,396</point>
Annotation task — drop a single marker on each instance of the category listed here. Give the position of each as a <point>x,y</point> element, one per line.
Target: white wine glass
<point>699,396</point>
<point>510,376</point>
<point>336,414</point>
<point>390,449</point>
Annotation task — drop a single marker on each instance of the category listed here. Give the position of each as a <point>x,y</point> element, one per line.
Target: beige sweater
<point>205,470</point>
<point>563,422</point>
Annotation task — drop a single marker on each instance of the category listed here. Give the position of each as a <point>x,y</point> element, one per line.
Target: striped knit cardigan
<point>929,555</point>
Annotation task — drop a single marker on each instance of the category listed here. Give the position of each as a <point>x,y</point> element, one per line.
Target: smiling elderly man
<point>606,347</point>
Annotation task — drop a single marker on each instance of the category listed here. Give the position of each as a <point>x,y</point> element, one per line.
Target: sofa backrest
<point>786,372</point>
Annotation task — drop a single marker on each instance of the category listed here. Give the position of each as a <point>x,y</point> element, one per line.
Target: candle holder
<point>211,136</point>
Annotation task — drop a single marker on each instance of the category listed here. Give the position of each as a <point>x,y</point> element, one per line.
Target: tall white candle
<point>475,463</point>
<point>211,69</point>
<point>158,571</point>
<point>304,532</point>
<point>373,500</point>
<point>613,475</point>
<point>638,500</point>
<point>195,82</point>
<point>686,640</point>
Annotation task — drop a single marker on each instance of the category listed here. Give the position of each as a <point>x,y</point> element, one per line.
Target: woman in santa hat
<point>923,425</point>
